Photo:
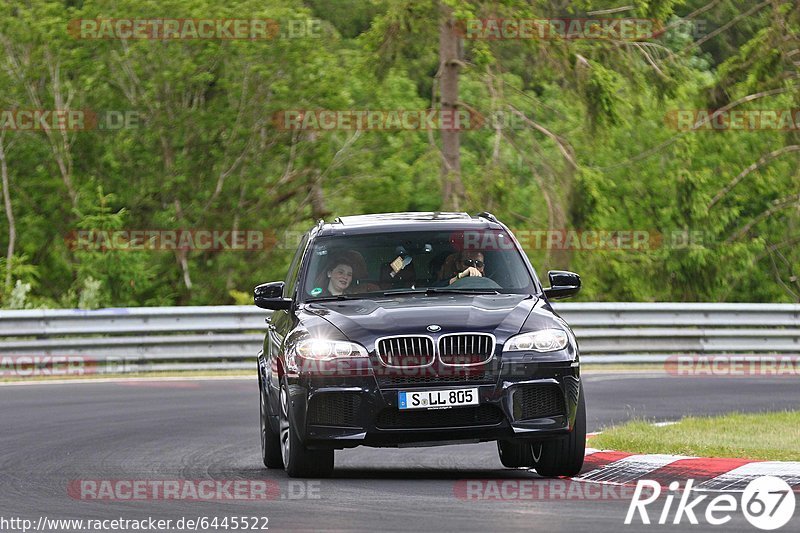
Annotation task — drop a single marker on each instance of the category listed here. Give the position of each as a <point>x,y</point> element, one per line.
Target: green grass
<point>766,436</point>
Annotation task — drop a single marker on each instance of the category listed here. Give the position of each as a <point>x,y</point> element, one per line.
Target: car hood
<point>503,315</point>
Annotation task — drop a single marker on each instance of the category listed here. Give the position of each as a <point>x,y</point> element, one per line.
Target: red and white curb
<point>713,474</point>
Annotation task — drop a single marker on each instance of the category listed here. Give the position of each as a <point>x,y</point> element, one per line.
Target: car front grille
<point>334,409</point>
<point>481,415</point>
<point>538,401</point>
<point>466,348</point>
<point>407,351</point>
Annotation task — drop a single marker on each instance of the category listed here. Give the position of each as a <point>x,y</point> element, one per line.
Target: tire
<point>564,456</point>
<point>270,440</point>
<point>515,453</point>
<point>298,460</point>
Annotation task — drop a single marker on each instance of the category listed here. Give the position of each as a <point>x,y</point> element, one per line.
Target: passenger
<point>340,276</point>
<point>469,263</point>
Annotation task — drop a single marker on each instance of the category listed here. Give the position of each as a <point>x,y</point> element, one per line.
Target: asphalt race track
<point>52,435</point>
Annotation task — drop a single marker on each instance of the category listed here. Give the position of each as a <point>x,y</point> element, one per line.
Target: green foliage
<point>602,94</point>
<point>126,278</point>
<point>241,297</point>
<point>577,137</point>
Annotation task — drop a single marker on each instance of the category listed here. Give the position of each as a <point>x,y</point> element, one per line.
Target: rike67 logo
<point>767,502</point>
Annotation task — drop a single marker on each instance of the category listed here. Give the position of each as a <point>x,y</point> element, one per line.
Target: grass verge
<point>766,436</point>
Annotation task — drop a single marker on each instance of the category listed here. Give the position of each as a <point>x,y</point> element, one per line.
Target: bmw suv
<point>418,329</point>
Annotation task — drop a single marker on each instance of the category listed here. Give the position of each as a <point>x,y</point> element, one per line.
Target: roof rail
<point>488,216</point>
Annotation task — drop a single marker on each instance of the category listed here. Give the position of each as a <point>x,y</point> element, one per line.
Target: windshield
<point>401,262</point>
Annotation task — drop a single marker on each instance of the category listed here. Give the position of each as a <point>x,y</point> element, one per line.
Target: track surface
<point>194,430</point>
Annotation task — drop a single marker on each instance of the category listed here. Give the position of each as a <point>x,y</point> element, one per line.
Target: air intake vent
<point>334,409</point>
<point>481,415</point>
<point>446,376</point>
<point>538,401</point>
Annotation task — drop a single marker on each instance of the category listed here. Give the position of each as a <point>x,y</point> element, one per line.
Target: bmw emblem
<point>434,328</point>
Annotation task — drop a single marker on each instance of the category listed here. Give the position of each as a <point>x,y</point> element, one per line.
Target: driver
<point>469,263</point>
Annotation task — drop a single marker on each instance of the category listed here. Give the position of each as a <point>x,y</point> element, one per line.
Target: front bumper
<point>518,399</point>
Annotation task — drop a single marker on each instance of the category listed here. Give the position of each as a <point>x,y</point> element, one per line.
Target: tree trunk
<point>317,197</point>
<point>453,193</point>
<point>12,228</point>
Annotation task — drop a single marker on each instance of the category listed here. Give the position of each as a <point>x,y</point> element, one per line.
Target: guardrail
<point>651,332</point>
<point>229,337</point>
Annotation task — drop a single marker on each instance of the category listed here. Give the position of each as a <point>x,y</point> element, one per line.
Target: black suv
<point>418,329</point>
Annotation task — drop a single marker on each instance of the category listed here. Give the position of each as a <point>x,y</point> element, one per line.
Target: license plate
<point>429,399</point>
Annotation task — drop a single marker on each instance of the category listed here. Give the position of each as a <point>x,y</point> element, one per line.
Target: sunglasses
<point>477,263</point>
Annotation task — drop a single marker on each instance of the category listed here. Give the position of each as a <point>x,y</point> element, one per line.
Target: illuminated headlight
<point>326,350</point>
<point>546,340</point>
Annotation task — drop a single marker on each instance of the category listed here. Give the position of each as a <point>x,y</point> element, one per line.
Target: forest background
<point>578,137</point>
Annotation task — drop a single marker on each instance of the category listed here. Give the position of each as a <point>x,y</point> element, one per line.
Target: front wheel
<point>564,456</point>
<point>270,439</point>
<point>298,460</point>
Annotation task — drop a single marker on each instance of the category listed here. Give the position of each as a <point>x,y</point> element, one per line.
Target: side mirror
<point>563,284</point>
<point>270,296</point>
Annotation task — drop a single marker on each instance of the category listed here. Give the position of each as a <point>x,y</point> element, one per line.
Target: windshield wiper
<point>333,298</point>
<point>430,291</point>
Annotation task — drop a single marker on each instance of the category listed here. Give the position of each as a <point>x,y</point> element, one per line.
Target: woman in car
<point>339,276</point>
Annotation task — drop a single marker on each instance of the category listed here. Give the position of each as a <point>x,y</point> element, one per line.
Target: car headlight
<point>326,350</point>
<point>545,340</point>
